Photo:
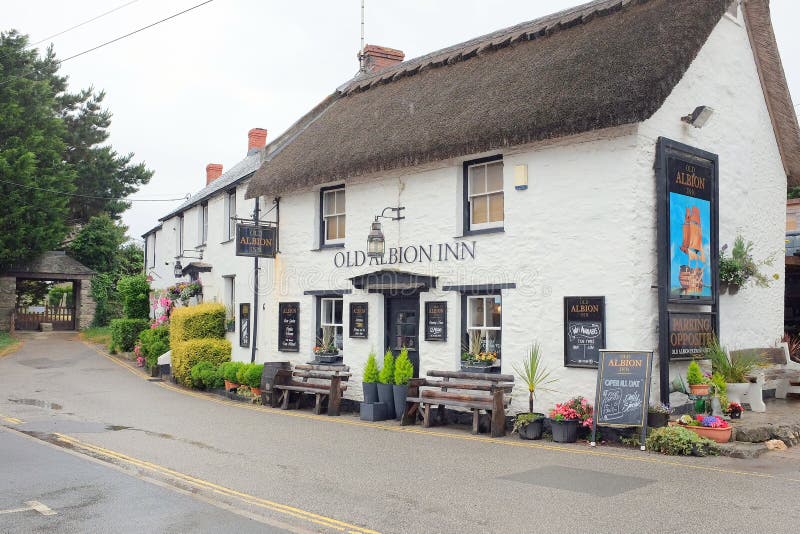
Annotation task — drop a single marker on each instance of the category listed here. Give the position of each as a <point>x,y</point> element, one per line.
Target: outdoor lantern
<point>375,242</point>
<point>178,269</point>
<point>699,116</point>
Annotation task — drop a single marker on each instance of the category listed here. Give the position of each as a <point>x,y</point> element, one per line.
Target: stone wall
<point>84,304</point>
<point>8,299</point>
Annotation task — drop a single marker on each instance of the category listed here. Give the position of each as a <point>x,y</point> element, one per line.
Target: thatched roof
<point>602,64</point>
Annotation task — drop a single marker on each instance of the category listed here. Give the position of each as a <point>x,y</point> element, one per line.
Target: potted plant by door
<point>370,380</point>
<point>535,376</point>
<point>385,383</point>
<point>566,418</point>
<point>403,371</point>
<point>658,415</point>
<point>733,368</point>
<point>698,385</point>
<point>253,378</point>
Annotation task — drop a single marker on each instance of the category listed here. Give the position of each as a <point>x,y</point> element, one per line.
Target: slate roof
<point>54,262</point>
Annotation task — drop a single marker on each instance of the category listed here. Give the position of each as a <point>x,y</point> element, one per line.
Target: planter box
<point>699,389</point>
<point>400,393</point>
<point>328,358</point>
<point>373,411</point>
<point>720,435</point>
<point>480,368</point>
<point>386,396</point>
<point>370,392</point>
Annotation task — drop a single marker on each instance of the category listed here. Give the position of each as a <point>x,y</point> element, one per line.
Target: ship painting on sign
<point>691,278</point>
<point>690,246</point>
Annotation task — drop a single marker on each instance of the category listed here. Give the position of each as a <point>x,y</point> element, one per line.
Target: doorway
<point>402,327</point>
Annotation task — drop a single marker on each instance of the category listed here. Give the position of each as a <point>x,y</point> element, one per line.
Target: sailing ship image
<point>691,274</point>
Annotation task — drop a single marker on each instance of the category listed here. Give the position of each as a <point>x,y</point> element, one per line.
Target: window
<point>230,301</point>
<point>330,320</point>
<point>230,211</point>
<point>179,237</point>
<point>203,223</point>
<point>333,215</point>
<point>484,323</point>
<point>483,194</point>
<point>153,263</point>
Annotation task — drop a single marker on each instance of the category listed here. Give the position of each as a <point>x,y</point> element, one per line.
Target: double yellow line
<point>109,455</point>
<point>12,420</point>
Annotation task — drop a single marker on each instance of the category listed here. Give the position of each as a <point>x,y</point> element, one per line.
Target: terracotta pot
<point>255,391</point>
<point>230,385</point>
<point>699,389</point>
<point>720,435</point>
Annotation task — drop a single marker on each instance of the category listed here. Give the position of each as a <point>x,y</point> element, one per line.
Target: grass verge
<point>8,343</point>
<point>97,334</point>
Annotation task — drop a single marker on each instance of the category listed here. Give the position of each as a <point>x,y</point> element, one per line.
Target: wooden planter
<point>720,435</point>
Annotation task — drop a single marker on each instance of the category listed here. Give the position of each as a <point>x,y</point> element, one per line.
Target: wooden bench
<point>325,382</point>
<point>777,367</point>
<point>474,391</point>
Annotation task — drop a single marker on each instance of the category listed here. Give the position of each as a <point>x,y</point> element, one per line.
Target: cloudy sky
<point>185,92</point>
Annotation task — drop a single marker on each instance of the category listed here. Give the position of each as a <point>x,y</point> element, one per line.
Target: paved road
<point>329,474</point>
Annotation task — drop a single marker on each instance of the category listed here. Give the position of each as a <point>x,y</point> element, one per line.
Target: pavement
<point>300,472</point>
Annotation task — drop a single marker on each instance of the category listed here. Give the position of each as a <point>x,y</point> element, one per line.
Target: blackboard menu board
<point>359,319</point>
<point>584,330</point>
<point>244,324</point>
<point>436,321</point>
<point>288,326</point>
<point>689,334</point>
<point>623,388</point>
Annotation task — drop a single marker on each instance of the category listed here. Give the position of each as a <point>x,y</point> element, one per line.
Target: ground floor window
<point>331,323</point>
<point>230,302</point>
<point>483,336</point>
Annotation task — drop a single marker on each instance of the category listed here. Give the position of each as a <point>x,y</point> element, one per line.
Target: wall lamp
<point>376,245</point>
<point>178,269</point>
<point>699,117</point>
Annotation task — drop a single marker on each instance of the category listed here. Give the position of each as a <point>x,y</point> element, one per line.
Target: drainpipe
<point>256,214</point>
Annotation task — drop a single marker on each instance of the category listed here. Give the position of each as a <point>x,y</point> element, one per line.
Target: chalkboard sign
<point>584,330</point>
<point>359,319</point>
<point>244,324</point>
<point>288,326</point>
<point>689,334</point>
<point>436,321</point>
<point>623,389</point>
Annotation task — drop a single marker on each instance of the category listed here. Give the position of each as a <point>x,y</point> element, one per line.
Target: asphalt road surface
<point>254,467</point>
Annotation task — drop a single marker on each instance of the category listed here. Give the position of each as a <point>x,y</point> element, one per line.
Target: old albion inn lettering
<point>460,250</point>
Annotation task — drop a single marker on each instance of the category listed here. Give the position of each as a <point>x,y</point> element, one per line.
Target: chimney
<point>213,171</point>
<point>379,57</point>
<point>256,140</point>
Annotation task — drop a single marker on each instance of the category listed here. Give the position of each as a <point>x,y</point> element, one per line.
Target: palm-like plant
<point>534,374</point>
<point>734,369</point>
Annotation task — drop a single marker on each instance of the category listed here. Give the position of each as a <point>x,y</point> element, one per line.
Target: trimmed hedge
<point>197,322</point>
<point>187,354</point>
<point>125,332</point>
<point>134,291</point>
<point>206,375</point>
<point>155,342</point>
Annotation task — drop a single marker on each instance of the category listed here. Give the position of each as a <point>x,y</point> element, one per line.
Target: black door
<point>402,327</point>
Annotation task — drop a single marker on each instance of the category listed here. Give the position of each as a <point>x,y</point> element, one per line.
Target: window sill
<point>227,240</point>
<point>498,230</point>
<point>331,245</point>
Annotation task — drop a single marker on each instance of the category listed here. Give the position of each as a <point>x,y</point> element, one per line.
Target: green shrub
<point>252,375</point>
<point>155,342</point>
<point>125,332</point>
<point>677,441</point>
<point>197,322</point>
<point>187,354</point>
<point>105,298</point>
<point>241,374</point>
<point>134,291</point>
<point>205,375</point>
<point>694,375</point>
<point>371,369</point>
<point>403,368</point>
<point>386,375</point>
<point>229,370</point>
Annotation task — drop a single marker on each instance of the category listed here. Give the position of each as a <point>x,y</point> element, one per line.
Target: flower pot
<point>736,414</point>
<point>532,430</point>
<point>230,385</point>
<point>400,394</point>
<point>372,411</point>
<point>370,392</point>
<point>386,395</point>
<point>720,435</point>
<point>565,431</point>
<point>699,389</point>
<point>255,391</point>
<point>657,420</point>
<point>736,391</point>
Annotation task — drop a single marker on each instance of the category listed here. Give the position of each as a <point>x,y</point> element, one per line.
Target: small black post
<point>256,214</point>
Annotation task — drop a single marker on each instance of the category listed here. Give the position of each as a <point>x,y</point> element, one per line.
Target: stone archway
<point>51,266</point>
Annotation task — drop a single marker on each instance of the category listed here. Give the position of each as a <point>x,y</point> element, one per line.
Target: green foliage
<point>187,354</point>
<point>56,295</point>
<point>734,369</point>
<point>252,375</point>
<point>694,375</point>
<point>229,370</point>
<point>155,342</point>
<point>31,292</point>
<point>205,375</point>
<point>403,368</point>
<point>130,260</point>
<point>98,242</point>
<point>371,368</point>
<point>97,334</point>
<point>386,376</point>
<point>125,332</point>
<point>134,291</point>
<point>7,343</point>
<point>105,297</point>
<point>534,374</point>
<point>197,322</point>
<point>677,441</point>
<point>740,267</point>
<point>720,388</point>
<point>524,419</point>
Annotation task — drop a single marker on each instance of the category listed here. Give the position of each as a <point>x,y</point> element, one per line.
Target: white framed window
<point>333,215</point>
<point>331,318</point>
<point>230,211</point>
<point>230,301</point>
<point>485,321</point>
<point>153,263</point>
<point>485,201</point>
<point>203,226</point>
<point>179,236</point>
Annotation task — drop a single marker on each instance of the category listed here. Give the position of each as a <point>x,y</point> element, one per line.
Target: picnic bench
<point>325,382</point>
<point>777,367</point>
<point>473,391</point>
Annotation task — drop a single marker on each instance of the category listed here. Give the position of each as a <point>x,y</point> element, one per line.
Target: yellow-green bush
<point>187,354</point>
<point>197,322</point>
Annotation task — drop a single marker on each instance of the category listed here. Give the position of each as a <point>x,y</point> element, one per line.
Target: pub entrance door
<point>402,326</point>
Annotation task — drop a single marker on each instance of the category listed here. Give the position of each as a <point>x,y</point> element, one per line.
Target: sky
<point>185,92</point>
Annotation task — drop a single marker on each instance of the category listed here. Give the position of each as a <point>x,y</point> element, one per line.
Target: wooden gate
<point>29,318</point>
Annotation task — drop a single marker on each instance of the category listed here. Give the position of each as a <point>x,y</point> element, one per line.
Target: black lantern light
<point>178,271</point>
<point>376,245</point>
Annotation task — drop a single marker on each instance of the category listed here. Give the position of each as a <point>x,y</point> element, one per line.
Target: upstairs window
<point>333,215</point>
<point>483,186</point>
<point>153,263</point>
<point>204,223</point>
<point>179,244</point>
<point>230,212</point>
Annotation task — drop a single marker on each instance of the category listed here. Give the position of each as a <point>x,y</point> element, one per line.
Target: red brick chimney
<point>256,140</point>
<point>213,171</point>
<point>379,57</point>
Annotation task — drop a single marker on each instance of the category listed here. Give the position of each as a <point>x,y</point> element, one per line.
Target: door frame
<point>388,299</point>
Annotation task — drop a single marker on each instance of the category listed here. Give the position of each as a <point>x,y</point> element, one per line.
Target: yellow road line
<point>252,499</point>
<point>12,420</point>
<point>427,432</point>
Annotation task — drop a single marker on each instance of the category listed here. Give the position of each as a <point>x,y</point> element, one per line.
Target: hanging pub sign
<point>359,319</point>
<point>623,390</point>
<point>584,330</point>
<point>689,334</point>
<point>436,321</point>
<point>288,329</point>
<point>255,241</point>
<point>244,324</point>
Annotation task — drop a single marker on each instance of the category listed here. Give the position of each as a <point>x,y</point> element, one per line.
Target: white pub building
<point>567,181</point>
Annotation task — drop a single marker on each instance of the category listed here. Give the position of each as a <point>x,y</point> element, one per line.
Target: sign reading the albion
<point>359,317</point>
<point>288,316</point>
<point>623,388</point>
<point>436,321</point>
<point>689,334</point>
<point>584,335</point>
<point>255,241</point>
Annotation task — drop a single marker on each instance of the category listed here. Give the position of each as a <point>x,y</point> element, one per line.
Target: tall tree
<point>98,243</point>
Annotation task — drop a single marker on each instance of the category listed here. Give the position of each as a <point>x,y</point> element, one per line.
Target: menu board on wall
<point>584,330</point>
<point>288,326</point>
<point>244,324</point>
<point>689,334</point>
<point>359,312</point>
<point>436,321</point>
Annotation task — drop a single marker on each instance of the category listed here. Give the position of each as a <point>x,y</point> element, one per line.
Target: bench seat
<point>325,382</point>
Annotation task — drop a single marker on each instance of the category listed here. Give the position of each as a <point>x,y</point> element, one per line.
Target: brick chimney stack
<point>379,57</point>
<point>256,140</point>
<point>213,171</point>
